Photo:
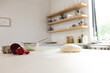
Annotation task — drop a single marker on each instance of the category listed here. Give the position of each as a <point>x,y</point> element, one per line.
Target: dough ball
<point>71,48</point>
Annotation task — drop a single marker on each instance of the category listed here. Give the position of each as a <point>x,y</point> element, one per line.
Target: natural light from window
<point>103,19</point>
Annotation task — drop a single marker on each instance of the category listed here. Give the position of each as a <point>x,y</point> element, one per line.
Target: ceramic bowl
<point>30,46</point>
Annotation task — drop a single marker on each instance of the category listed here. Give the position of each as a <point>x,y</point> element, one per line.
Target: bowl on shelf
<point>30,46</point>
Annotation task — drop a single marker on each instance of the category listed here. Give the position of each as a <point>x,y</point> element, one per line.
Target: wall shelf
<point>71,8</point>
<point>72,28</point>
<point>68,19</point>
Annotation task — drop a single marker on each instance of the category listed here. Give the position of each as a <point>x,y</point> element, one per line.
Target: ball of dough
<point>70,48</point>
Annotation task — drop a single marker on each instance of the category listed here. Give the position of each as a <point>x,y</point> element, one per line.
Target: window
<point>101,19</point>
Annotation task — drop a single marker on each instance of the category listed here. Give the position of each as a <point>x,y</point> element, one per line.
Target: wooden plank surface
<point>71,8</point>
<point>68,19</point>
<point>66,29</point>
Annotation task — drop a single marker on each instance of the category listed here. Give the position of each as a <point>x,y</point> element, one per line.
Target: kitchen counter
<point>51,60</point>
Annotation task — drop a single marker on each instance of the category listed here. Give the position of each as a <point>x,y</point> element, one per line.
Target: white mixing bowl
<point>30,46</point>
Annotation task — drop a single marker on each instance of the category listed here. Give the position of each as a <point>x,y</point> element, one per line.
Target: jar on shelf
<point>67,39</point>
<point>71,39</point>
<point>77,12</point>
<point>50,28</point>
<point>81,23</point>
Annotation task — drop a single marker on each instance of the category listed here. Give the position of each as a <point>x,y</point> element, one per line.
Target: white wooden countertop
<point>50,60</point>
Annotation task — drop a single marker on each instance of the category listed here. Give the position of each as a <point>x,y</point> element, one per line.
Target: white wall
<point>60,37</point>
<point>28,19</point>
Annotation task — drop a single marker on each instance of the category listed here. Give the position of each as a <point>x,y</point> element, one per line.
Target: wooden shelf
<point>68,19</point>
<point>71,8</point>
<point>66,29</point>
